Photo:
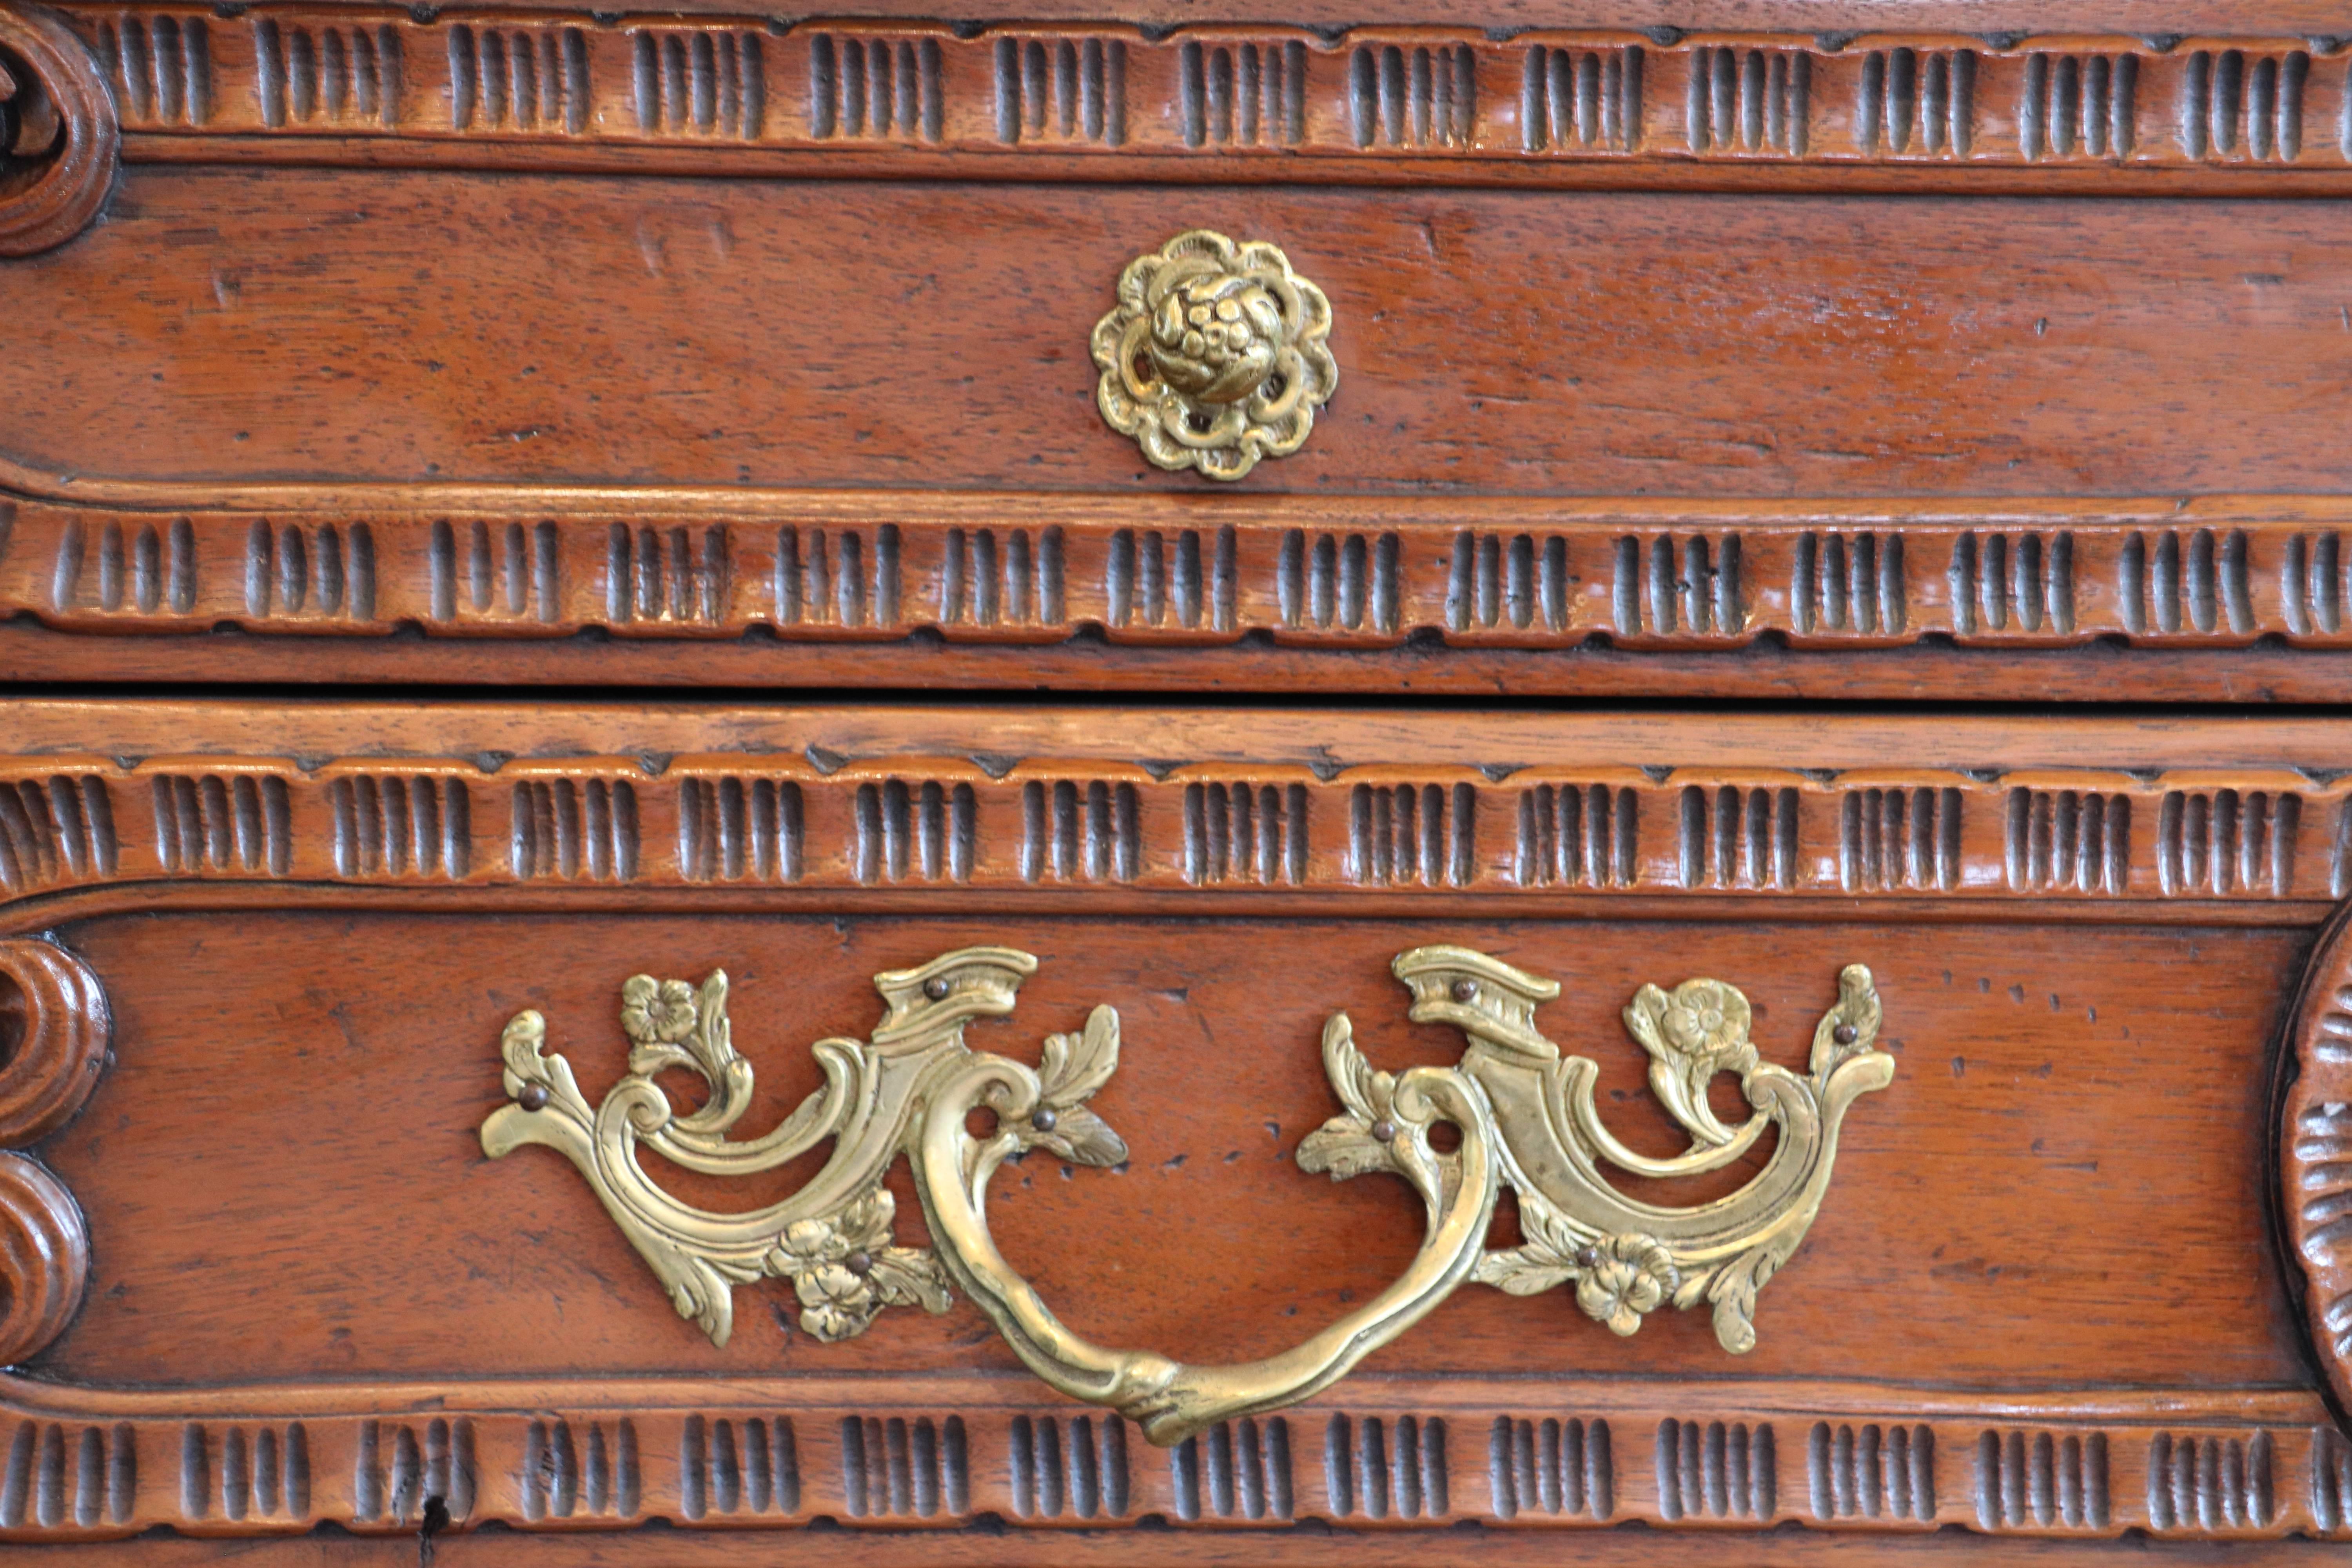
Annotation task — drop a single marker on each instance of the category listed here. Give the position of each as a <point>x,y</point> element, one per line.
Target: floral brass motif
<point>1217,355</point>
<point>1525,1112</point>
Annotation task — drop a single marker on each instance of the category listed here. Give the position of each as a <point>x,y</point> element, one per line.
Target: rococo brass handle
<point>1525,1111</point>
<point>1216,355</point>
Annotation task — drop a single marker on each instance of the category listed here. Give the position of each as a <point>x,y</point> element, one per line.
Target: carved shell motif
<point>1216,355</point>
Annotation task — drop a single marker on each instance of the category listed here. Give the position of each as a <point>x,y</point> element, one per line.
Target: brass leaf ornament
<point>1525,1111</point>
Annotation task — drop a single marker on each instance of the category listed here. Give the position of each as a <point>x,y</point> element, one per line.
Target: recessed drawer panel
<point>1659,363</point>
<point>575,1116</point>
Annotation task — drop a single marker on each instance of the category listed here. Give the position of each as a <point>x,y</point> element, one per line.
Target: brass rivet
<point>936,988</point>
<point>1385,1131</point>
<point>1465,990</point>
<point>1044,1119</point>
<point>1846,1034</point>
<point>858,1263</point>
<point>533,1096</point>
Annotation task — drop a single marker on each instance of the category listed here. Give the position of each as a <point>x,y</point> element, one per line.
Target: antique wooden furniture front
<point>1113,788</point>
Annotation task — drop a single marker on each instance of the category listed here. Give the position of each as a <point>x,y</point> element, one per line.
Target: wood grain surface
<point>226,328</point>
<point>2078,1077</point>
<point>1751,424</point>
<point>992,1547</point>
<point>2040,1298</point>
<point>2261,678</point>
<point>1569,423</point>
<point>2027,16</point>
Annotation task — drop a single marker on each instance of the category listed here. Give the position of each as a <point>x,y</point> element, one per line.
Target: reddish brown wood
<point>49,190</point>
<point>1186,573</point>
<point>1167,833</point>
<point>2261,678</point>
<point>2025,18</point>
<point>423,346</point>
<point>54,1030</point>
<point>1892,110</point>
<point>1488,343</point>
<point>1959,384</point>
<point>2055,406</point>
<point>2314,1137</point>
<point>44,1258</point>
<point>989,1547</point>
<point>433,1319</point>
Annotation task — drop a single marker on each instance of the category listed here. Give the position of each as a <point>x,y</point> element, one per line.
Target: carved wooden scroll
<point>55,1031</point>
<point>59,134</point>
<point>1662,108</point>
<point>2314,1137</point>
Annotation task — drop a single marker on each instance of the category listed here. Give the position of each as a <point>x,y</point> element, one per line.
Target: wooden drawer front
<point>1634,391</point>
<point>306,928</point>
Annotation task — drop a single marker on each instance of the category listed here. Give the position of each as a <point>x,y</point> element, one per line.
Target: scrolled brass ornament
<point>1525,1111</point>
<point>832,1239</point>
<point>1216,355</point>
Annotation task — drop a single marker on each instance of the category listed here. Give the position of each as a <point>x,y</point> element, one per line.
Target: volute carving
<point>54,1034</point>
<point>59,140</point>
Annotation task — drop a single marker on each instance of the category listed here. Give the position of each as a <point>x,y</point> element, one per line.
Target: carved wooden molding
<point>58,136</point>
<point>57,1041</point>
<point>2316,1156</point>
<point>349,85</point>
<point>54,1028</point>
<point>782,1451</point>
<point>954,827</point>
<point>269,1461</point>
<point>2221,572</point>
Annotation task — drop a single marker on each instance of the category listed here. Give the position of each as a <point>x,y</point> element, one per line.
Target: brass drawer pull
<point>1525,1111</point>
<point>1216,355</point>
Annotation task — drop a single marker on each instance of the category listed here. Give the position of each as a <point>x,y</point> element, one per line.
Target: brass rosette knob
<point>1217,355</point>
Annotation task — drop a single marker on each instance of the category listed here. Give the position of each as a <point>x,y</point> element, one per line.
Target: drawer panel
<point>427,349</point>
<point>1500,343</point>
<point>2037,1290</point>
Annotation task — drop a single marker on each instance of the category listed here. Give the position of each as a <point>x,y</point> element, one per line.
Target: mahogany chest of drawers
<point>1557,783</point>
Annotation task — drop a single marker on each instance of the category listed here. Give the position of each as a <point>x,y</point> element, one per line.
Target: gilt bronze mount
<point>1216,355</point>
<point>1524,1109</point>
